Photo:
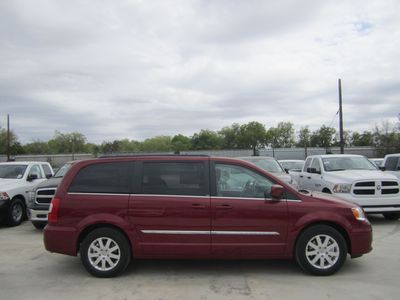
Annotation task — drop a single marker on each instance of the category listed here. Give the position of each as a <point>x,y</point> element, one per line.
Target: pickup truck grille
<point>44,196</point>
<point>376,188</point>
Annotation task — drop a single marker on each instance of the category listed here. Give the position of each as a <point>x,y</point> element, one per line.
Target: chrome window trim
<point>212,232</point>
<point>98,194</point>
<point>257,199</point>
<point>176,196</point>
<point>181,196</point>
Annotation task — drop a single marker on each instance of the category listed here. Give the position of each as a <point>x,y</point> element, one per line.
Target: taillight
<point>53,213</point>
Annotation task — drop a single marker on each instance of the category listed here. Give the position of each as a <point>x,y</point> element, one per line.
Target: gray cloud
<point>135,69</point>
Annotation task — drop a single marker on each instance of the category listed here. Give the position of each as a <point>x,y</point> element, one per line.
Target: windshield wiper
<point>337,170</point>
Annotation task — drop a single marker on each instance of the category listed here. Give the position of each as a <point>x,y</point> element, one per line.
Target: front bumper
<point>361,241</point>
<point>373,204</point>
<point>4,204</point>
<point>38,215</point>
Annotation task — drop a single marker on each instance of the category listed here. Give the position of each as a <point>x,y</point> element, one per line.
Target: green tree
<point>37,147</point>
<point>387,138</point>
<point>253,135</point>
<point>304,139</point>
<point>231,136</point>
<point>13,141</point>
<point>364,139</point>
<point>157,144</point>
<point>323,137</point>
<point>181,143</point>
<point>206,140</point>
<point>284,135</point>
<point>73,142</point>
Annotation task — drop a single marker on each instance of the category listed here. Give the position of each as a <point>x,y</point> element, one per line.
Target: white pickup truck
<point>17,179</point>
<point>353,178</point>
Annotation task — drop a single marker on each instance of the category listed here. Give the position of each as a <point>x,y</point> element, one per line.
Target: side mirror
<point>382,168</point>
<point>287,170</point>
<point>277,192</point>
<point>32,177</point>
<point>48,176</point>
<point>313,171</point>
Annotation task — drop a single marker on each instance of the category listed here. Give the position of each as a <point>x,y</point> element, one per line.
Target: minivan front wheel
<point>321,250</point>
<point>105,252</point>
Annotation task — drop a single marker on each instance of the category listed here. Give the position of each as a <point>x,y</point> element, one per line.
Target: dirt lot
<point>27,271</point>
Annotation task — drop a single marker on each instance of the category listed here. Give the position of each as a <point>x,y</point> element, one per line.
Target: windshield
<point>269,165</point>
<point>12,171</point>
<point>347,163</point>
<point>292,165</point>
<point>61,172</point>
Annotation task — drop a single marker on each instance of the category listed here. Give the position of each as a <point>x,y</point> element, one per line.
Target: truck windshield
<point>347,163</point>
<point>12,171</point>
<point>61,172</point>
<point>269,165</point>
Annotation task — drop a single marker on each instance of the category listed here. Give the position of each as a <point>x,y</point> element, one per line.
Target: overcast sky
<point>137,69</point>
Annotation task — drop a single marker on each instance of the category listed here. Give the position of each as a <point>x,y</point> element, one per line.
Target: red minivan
<point>111,210</point>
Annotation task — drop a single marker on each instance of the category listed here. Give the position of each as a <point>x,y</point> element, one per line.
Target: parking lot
<point>28,271</point>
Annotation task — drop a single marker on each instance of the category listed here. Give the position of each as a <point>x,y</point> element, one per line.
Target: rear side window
<point>46,169</point>
<point>112,178</point>
<point>180,178</point>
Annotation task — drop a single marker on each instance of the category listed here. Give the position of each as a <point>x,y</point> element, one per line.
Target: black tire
<point>392,216</point>
<point>16,212</point>
<point>39,224</point>
<point>112,261</point>
<point>327,191</point>
<point>314,240</point>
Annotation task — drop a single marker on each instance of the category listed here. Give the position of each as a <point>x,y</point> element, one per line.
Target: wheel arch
<point>326,190</point>
<point>334,225</point>
<point>92,227</point>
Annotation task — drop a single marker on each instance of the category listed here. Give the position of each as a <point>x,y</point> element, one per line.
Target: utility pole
<point>341,118</point>
<point>8,137</point>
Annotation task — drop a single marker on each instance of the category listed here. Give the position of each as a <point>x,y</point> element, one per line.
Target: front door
<point>245,222</point>
<point>171,213</point>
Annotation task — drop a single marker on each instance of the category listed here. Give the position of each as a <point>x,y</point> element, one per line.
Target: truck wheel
<point>321,250</point>
<point>105,252</point>
<point>39,224</point>
<point>392,216</point>
<point>16,212</point>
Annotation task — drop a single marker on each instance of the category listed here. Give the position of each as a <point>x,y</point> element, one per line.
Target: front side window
<point>176,178</point>
<point>315,165</point>
<point>35,170</point>
<point>392,164</point>
<point>307,164</point>
<point>111,178</point>
<point>237,181</point>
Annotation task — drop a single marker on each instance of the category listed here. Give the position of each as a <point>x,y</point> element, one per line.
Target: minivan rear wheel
<point>321,250</point>
<point>105,252</point>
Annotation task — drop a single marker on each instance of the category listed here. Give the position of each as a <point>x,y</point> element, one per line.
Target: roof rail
<point>110,155</point>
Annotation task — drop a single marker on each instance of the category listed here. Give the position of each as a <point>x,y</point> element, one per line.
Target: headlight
<point>31,197</point>
<point>342,188</point>
<point>4,196</point>
<point>358,214</point>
